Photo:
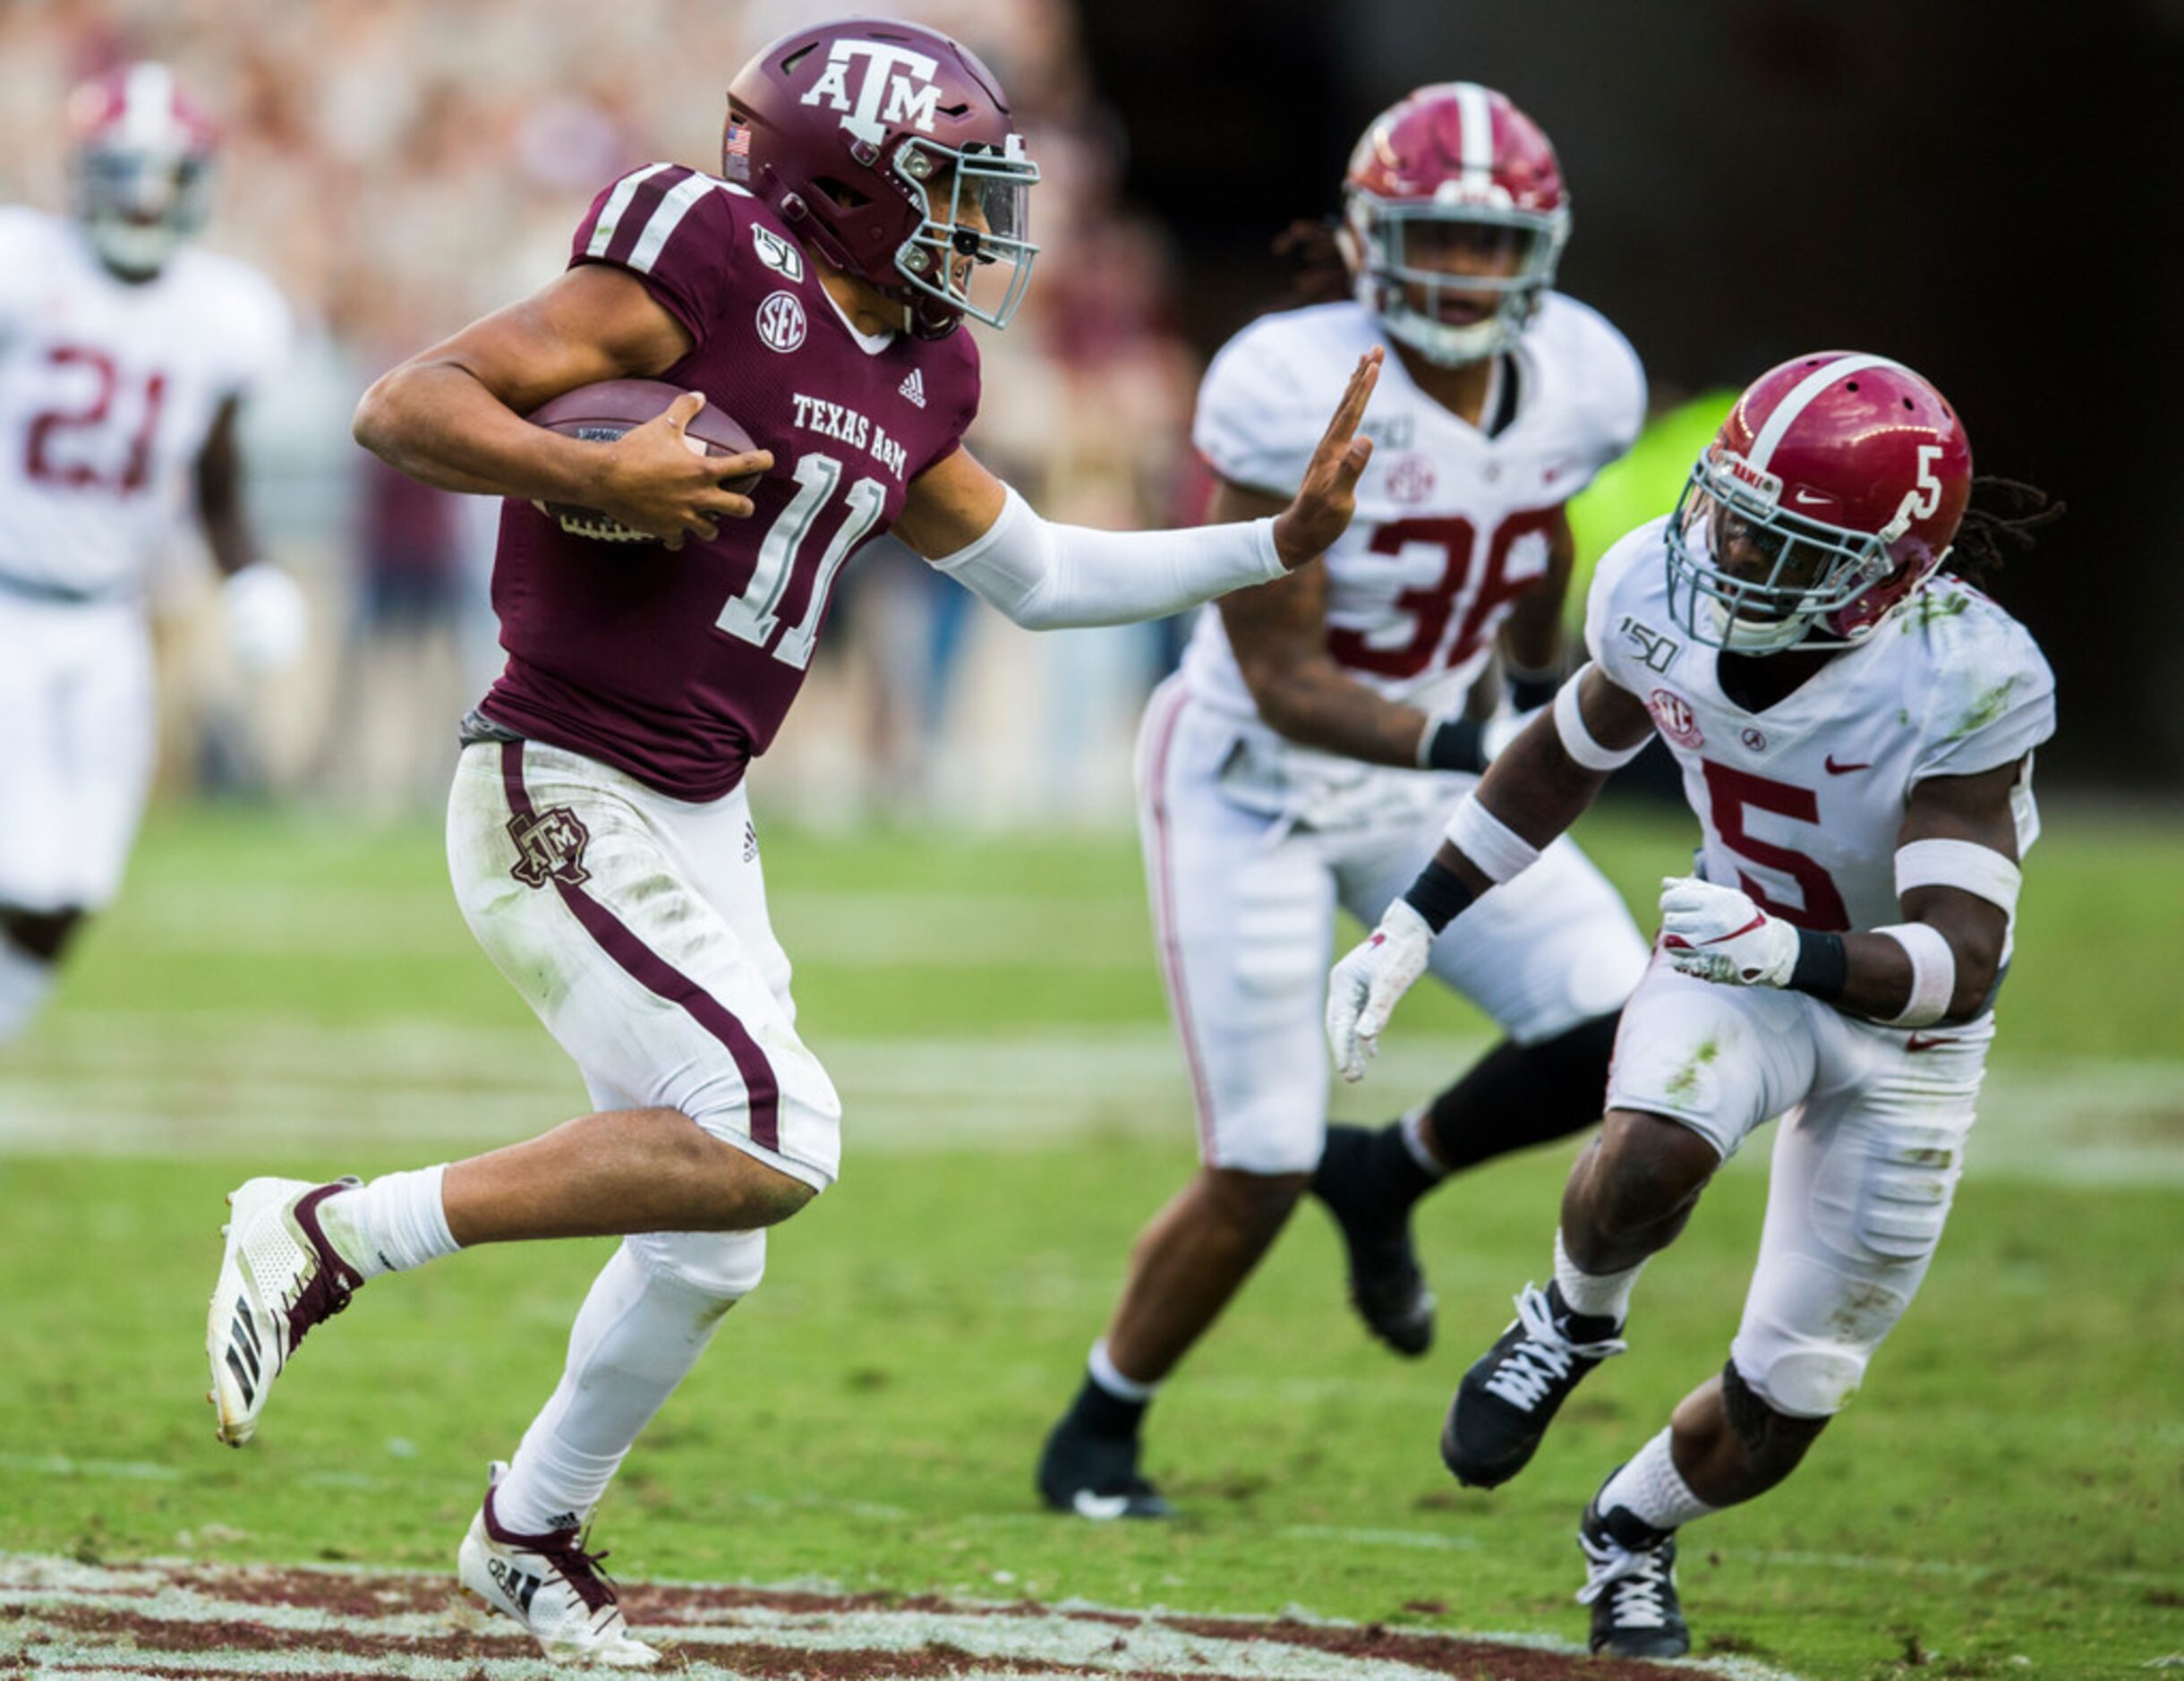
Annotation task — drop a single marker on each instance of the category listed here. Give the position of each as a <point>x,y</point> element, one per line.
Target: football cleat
<point>1630,1583</point>
<point>551,1586</point>
<point>1388,1287</point>
<point>1096,1476</point>
<point>279,1278</point>
<point>1512,1391</point>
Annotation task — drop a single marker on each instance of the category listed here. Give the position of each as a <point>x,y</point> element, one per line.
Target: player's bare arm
<point>218,474</point>
<point>956,502</point>
<point>1532,636</point>
<point>452,415</point>
<point>1279,633</point>
<point>1536,788</point>
<point>1972,811</point>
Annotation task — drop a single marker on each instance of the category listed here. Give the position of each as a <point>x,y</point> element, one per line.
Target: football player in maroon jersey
<point>873,194</point>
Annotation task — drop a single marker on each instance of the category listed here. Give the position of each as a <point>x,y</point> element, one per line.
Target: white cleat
<point>551,1586</point>
<point>279,1278</point>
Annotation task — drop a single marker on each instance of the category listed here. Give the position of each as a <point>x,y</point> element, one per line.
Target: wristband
<point>1438,895</point>
<point>1451,745</point>
<point>1823,968</point>
<point>1934,973</point>
<point>1491,844</point>
<point>1530,688</point>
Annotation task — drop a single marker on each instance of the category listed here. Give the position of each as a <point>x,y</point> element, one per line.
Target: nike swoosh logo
<point>1811,500</point>
<point>1839,769</point>
<point>1101,1507</point>
<point>1914,1043</point>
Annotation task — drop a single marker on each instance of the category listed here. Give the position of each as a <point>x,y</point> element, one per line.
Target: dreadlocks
<point>2001,520</point>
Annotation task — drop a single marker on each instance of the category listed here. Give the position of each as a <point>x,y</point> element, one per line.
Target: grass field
<point>288,993</point>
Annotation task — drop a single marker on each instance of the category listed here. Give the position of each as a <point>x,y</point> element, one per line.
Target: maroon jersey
<point>678,667</point>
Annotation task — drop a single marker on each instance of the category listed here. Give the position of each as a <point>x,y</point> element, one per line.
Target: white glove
<point>1364,989</point>
<point>1718,935</point>
<point>267,621</point>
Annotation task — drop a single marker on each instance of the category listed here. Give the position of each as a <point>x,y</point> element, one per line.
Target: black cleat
<point>1096,1476</point>
<point>1630,1583</point>
<point>1388,1287</point>
<point>1512,1391</point>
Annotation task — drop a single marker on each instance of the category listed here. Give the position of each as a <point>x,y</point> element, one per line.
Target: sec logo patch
<point>780,321</point>
<point>1677,722</point>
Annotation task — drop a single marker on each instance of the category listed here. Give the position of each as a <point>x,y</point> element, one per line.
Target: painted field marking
<point>171,1619</point>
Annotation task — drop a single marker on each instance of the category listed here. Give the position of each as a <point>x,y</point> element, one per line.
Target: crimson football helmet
<point>848,129</point>
<point>1460,158</point>
<point>1829,496</point>
<point>141,167</point>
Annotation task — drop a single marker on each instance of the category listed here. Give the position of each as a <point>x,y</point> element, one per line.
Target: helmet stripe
<point>1801,398</point>
<point>147,104</point>
<point>666,217</point>
<point>611,213</point>
<point>1476,116</point>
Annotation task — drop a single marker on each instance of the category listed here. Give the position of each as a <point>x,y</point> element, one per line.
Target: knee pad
<point>1812,1382</point>
<point>724,1266</point>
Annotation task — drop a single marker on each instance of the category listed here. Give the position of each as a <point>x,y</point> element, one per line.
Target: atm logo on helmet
<point>896,75</point>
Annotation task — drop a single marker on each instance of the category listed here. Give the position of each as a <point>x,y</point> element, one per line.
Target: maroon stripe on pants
<point>657,975</point>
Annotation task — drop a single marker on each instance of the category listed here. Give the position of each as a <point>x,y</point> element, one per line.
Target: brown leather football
<point>604,412</point>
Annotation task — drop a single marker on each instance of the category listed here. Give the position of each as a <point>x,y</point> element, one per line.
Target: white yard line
<point>146,1084</point>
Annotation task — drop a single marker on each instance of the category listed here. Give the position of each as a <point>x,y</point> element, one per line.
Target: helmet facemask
<point>985,223</point>
<point>138,204</point>
<point>1815,571</point>
<point>1386,238</point>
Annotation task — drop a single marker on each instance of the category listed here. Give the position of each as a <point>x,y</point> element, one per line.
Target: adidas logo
<point>519,1586</point>
<point>914,388</point>
<point>750,842</point>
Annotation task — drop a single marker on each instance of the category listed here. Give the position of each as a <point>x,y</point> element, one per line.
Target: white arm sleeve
<point>1047,576</point>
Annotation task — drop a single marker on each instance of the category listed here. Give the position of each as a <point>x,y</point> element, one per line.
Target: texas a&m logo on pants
<point>549,847</point>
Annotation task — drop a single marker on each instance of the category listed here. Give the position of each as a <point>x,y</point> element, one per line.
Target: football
<point>604,412</point>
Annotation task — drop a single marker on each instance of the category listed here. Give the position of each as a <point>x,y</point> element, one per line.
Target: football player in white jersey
<point>1855,732</point>
<point>1315,737</point>
<point>124,358</point>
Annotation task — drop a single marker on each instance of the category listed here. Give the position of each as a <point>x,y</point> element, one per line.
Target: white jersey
<point>1451,524</point>
<point>108,393</point>
<point>1802,805</point>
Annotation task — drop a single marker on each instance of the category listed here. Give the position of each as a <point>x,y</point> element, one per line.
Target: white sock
<point>1416,1139</point>
<point>395,1223</point>
<point>1109,1377</point>
<point>26,982</point>
<point>1601,1295</point>
<point>635,1337</point>
<point>1653,1489</point>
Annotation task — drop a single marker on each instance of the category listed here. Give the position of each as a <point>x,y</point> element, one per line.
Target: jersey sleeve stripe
<point>611,213</point>
<point>666,217</point>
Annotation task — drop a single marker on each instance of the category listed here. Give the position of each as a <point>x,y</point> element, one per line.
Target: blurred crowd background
<point>1751,179</point>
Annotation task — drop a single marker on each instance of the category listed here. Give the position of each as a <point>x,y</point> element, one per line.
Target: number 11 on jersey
<point>752,616</point>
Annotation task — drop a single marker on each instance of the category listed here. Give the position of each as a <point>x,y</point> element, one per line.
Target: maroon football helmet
<point>1845,475</point>
<point>1454,162</point>
<point>141,167</point>
<point>847,128</point>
